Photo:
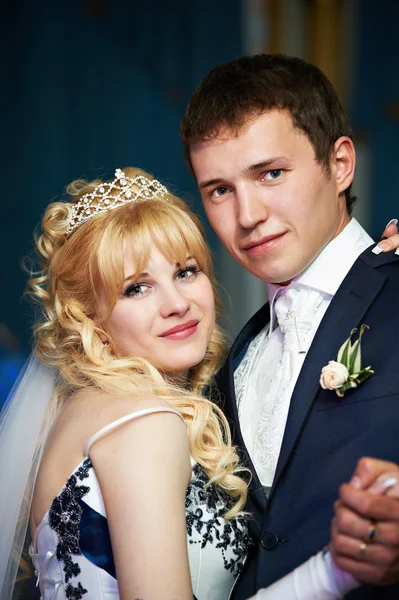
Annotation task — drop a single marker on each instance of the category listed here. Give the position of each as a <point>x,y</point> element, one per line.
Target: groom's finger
<point>387,484</point>
<point>369,469</point>
<point>348,523</point>
<point>365,571</point>
<point>377,554</point>
<point>368,563</point>
<point>370,506</point>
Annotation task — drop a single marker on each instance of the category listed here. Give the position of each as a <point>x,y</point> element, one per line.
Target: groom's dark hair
<point>232,93</point>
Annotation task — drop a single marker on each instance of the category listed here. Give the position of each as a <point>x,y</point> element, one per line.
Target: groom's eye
<point>221,190</point>
<point>273,174</point>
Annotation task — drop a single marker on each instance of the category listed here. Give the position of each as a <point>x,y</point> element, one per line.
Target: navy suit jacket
<point>325,435</point>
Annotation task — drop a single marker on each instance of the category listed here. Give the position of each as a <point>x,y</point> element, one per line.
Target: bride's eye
<point>135,289</point>
<point>188,272</point>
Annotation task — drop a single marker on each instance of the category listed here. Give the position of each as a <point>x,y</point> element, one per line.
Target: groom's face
<point>273,206</point>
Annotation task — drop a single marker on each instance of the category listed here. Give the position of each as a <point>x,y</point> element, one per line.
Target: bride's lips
<point>181,331</point>
<point>263,245</point>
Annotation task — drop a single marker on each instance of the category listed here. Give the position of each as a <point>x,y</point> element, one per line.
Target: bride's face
<point>166,315</point>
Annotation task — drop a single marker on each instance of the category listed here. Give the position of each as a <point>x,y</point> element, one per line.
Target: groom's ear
<point>343,163</point>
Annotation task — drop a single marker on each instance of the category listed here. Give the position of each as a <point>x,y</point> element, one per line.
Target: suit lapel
<point>226,384</point>
<point>358,290</point>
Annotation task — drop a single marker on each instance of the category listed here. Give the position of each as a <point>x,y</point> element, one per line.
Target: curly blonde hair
<point>69,332</point>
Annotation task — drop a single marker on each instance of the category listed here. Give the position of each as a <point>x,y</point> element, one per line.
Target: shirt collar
<point>330,267</point>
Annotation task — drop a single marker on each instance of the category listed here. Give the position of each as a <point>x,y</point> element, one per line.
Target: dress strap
<point>126,419</point>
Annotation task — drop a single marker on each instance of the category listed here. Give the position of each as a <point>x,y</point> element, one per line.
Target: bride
<point>114,458</point>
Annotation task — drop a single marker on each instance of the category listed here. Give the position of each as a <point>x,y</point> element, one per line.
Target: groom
<point>271,149</point>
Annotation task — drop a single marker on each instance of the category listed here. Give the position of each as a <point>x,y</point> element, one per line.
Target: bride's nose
<point>173,303</point>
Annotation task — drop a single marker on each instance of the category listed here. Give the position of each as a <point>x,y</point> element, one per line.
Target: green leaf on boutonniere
<point>354,381</point>
<point>344,351</point>
<point>364,374</point>
<point>348,385</point>
<point>355,361</point>
<point>350,356</point>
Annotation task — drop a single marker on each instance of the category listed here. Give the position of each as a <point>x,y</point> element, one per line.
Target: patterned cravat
<point>295,309</point>
<point>294,314</point>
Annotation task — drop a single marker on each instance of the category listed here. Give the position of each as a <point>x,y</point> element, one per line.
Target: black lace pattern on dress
<point>64,518</point>
<point>210,524</point>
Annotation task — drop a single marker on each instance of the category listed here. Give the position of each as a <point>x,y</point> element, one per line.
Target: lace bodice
<point>72,553</point>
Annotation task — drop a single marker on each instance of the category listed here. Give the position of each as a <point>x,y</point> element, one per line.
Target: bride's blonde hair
<point>69,334</point>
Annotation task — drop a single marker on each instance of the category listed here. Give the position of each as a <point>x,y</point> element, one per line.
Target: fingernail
<point>356,482</point>
<point>377,249</point>
<point>392,222</point>
<point>383,484</point>
<point>388,483</point>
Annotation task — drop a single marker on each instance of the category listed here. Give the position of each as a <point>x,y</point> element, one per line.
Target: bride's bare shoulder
<point>90,409</point>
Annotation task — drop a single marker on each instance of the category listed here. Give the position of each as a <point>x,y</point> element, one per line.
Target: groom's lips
<point>268,242</point>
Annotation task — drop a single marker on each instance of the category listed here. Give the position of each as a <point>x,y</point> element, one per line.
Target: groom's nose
<point>251,207</point>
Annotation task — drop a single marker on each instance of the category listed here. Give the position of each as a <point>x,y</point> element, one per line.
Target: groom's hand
<point>365,529</point>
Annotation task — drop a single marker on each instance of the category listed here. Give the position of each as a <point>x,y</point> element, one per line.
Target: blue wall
<point>92,86</point>
<point>375,96</point>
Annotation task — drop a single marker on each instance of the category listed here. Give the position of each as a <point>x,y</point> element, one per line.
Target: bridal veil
<point>23,431</point>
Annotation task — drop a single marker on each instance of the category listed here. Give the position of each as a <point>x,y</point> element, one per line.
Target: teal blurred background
<point>89,86</point>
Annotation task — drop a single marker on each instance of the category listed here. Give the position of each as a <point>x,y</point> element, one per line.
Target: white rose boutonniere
<point>333,376</point>
<point>346,372</point>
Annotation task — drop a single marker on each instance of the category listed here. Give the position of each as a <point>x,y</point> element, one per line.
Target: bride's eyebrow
<point>178,265</point>
<point>143,274</point>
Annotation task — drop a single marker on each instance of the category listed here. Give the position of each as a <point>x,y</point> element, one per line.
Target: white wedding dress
<point>72,553</point>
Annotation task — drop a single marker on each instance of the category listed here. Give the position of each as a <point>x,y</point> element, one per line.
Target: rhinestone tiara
<point>125,190</point>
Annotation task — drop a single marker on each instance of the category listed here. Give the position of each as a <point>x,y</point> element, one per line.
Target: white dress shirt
<point>263,415</point>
